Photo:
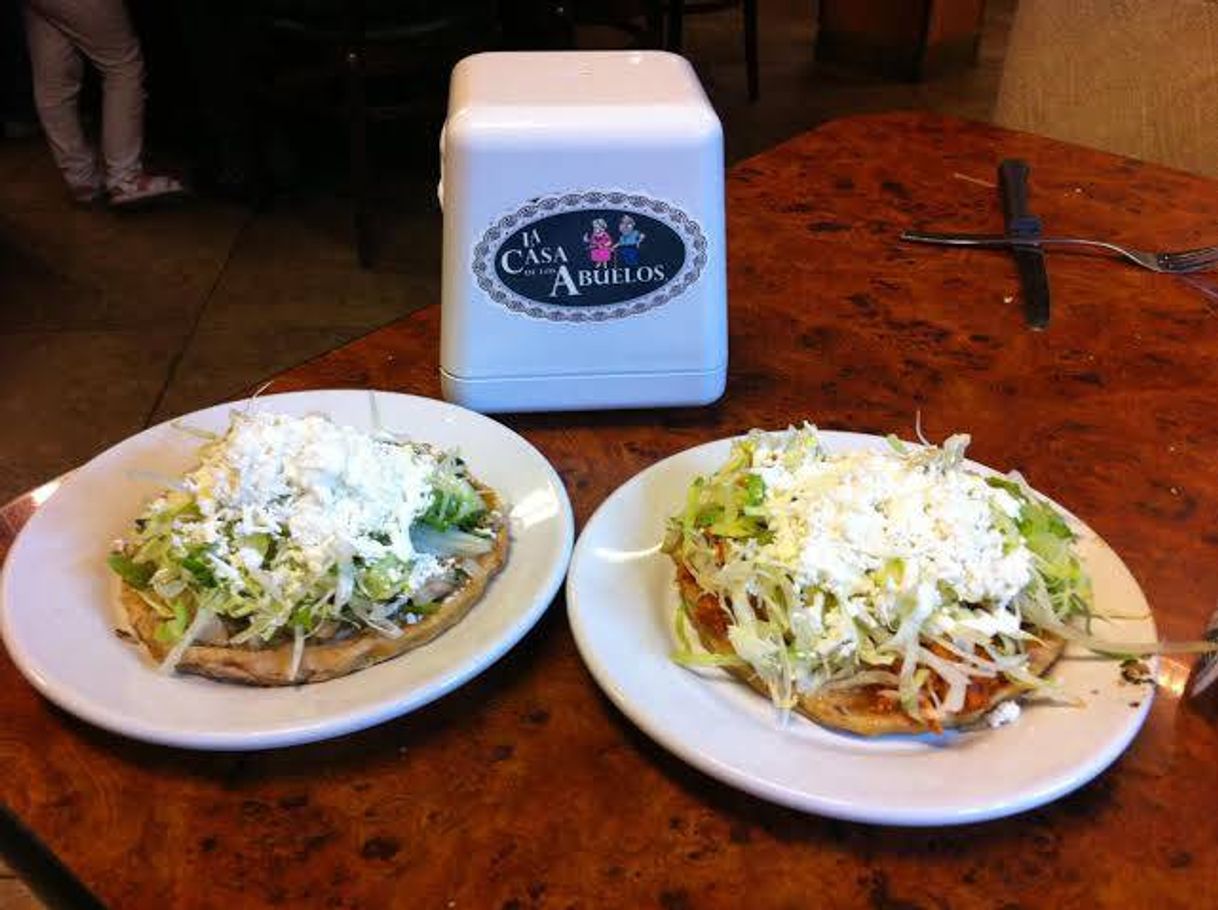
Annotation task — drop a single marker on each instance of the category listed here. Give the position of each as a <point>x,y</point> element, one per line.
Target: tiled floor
<point>110,322</point>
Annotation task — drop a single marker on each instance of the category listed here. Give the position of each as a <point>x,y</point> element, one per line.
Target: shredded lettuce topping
<point>900,569</point>
<point>294,528</point>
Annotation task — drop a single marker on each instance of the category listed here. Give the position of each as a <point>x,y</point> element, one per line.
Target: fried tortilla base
<point>271,666</point>
<point>863,710</point>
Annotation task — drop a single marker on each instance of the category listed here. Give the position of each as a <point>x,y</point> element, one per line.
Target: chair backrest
<point>423,16</point>
<point>1136,77</point>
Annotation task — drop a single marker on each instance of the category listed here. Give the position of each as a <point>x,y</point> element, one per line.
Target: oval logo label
<point>589,257</point>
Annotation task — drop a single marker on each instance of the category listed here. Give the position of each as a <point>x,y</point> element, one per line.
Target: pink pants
<point>60,32</point>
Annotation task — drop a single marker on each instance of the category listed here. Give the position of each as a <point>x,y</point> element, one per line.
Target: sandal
<point>145,189</point>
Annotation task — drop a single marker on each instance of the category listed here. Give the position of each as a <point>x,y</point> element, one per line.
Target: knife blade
<point>959,239</point>
<point>1021,223</point>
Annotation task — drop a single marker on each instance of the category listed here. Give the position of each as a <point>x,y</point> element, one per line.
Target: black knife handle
<point>1013,187</point>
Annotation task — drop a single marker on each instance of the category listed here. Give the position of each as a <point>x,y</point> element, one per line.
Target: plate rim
<point>306,730</point>
<point>726,773</point>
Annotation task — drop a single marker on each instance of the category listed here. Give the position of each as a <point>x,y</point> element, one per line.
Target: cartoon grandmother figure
<point>629,240</point>
<point>600,244</point>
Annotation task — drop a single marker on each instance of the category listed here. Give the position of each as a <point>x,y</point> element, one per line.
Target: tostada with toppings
<point>299,550</point>
<point>877,592</point>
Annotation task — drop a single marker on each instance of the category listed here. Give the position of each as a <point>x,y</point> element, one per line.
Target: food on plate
<point>874,591</point>
<point>299,550</point>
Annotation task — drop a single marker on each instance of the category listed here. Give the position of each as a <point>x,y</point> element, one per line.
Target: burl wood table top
<point>527,789</point>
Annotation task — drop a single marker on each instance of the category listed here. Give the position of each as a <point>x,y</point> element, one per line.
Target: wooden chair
<point>901,39</point>
<point>676,26</point>
<point>664,26</point>
<point>371,60</point>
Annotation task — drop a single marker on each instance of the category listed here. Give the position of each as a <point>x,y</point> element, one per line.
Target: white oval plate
<point>621,599</point>
<point>57,597</point>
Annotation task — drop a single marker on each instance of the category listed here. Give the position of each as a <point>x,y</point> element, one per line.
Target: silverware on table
<point>1179,262</point>
<point>1019,221</point>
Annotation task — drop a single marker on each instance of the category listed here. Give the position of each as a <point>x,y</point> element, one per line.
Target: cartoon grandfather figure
<point>629,240</point>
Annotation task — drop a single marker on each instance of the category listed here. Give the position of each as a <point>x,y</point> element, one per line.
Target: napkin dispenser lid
<point>584,249</point>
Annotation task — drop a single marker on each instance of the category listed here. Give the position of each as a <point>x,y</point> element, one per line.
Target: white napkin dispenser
<point>584,248</point>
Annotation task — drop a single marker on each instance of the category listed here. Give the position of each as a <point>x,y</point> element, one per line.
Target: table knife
<point>1021,223</point>
<point>958,239</point>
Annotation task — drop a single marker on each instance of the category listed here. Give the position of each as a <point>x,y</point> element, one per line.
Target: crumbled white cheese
<point>839,521</point>
<point>1004,713</point>
<point>337,491</point>
<point>838,518</point>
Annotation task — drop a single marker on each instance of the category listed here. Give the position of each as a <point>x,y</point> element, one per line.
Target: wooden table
<point>527,789</point>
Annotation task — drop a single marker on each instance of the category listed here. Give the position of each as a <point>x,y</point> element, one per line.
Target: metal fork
<point>1180,262</point>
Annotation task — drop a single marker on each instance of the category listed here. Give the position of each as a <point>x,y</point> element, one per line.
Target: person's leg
<point>115,51</point>
<point>102,30</point>
<point>57,70</point>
